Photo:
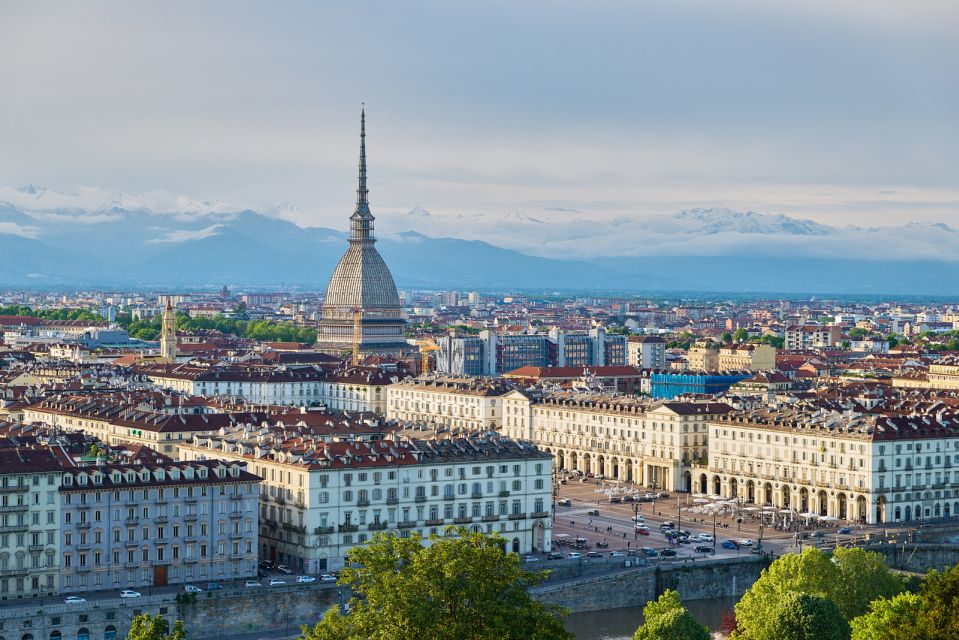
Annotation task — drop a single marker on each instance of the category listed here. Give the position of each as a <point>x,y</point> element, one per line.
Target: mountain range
<point>50,239</point>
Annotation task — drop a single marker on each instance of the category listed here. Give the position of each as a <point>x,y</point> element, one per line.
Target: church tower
<point>168,335</point>
<point>362,308</point>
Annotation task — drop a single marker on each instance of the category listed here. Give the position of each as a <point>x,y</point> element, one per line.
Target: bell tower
<point>168,335</point>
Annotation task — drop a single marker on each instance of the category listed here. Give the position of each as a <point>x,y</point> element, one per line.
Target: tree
<point>852,578</point>
<point>741,335</point>
<point>147,627</point>
<point>725,337</point>
<point>459,586</point>
<point>892,340</point>
<point>667,619</point>
<point>897,618</point>
<point>803,616</point>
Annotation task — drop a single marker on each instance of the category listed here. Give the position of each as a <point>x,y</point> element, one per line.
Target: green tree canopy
<point>741,335</point>
<point>147,627</point>
<point>852,578</point>
<point>897,618</point>
<point>725,336</point>
<point>929,615</point>
<point>667,619</point>
<point>803,616</point>
<point>459,587</point>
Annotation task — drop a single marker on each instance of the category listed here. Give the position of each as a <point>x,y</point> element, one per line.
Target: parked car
<point>127,593</point>
<point>757,549</point>
<point>305,579</point>
<point>638,518</point>
<point>730,544</point>
<point>642,530</point>
<point>191,589</point>
<point>573,555</point>
<point>845,531</point>
<point>746,542</point>
<point>652,553</point>
<point>817,534</point>
<point>602,545</point>
<point>706,537</point>
<point>282,568</point>
<point>593,554</point>
<point>565,502</point>
<point>668,553</point>
<point>213,586</point>
<point>252,583</point>
<point>617,554</point>
<point>555,556</point>
<point>701,548</point>
<point>275,582</point>
<point>593,512</point>
<point>667,525</point>
<point>531,559</point>
<point>326,577</point>
<point>74,600</point>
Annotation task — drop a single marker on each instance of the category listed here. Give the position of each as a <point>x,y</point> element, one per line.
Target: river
<point>619,624</point>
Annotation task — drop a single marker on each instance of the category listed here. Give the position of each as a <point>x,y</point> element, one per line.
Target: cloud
<point>187,235</point>
<point>14,229</point>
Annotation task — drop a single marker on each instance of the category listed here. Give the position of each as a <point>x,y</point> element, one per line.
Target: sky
<point>845,113</point>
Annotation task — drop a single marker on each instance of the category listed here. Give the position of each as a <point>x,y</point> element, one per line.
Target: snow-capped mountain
<point>95,237</point>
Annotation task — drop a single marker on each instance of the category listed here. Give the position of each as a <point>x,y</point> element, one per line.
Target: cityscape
<point>571,402</point>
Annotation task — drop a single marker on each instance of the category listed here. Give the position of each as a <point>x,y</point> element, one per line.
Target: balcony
<point>236,536</point>
<point>20,488</point>
<point>504,494</point>
<point>517,516</point>
<point>462,520</point>
<point>11,508</point>
<point>190,499</point>
<point>349,528</point>
<point>477,495</point>
<point>236,515</point>
<point>492,518</point>
<point>190,517</point>
<point>190,560</point>
<point>435,522</point>
<point>132,543</point>
<point>14,528</point>
<point>419,499</point>
<point>323,531</point>
<point>376,526</point>
<point>135,520</point>
<point>84,524</point>
<point>407,524</point>
<point>236,496</point>
<point>393,500</point>
<point>539,514</point>
<point>365,502</point>
<point>13,573</point>
<point>158,520</point>
<point>40,547</point>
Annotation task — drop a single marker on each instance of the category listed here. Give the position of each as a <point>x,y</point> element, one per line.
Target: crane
<point>426,346</point>
<point>357,335</point>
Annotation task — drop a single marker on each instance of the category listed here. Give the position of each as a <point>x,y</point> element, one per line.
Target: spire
<point>361,222</point>
<point>362,193</point>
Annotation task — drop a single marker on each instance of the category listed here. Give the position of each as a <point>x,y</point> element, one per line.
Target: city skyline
<point>837,115</point>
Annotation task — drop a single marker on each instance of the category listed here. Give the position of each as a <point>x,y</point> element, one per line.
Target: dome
<point>362,280</point>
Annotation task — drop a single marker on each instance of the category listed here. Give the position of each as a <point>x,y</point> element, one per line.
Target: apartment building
<point>350,389</point>
<point>459,403</point>
<point>811,336</point>
<point>152,525</point>
<point>709,356</point>
<point>115,421</point>
<point>646,352</point>
<point>857,468</point>
<point>490,354</point>
<point>321,497</point>
<point>620,438</point>
<point>29,522</point>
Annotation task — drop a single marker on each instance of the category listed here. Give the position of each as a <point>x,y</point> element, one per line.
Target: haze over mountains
<point>92,238</point>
